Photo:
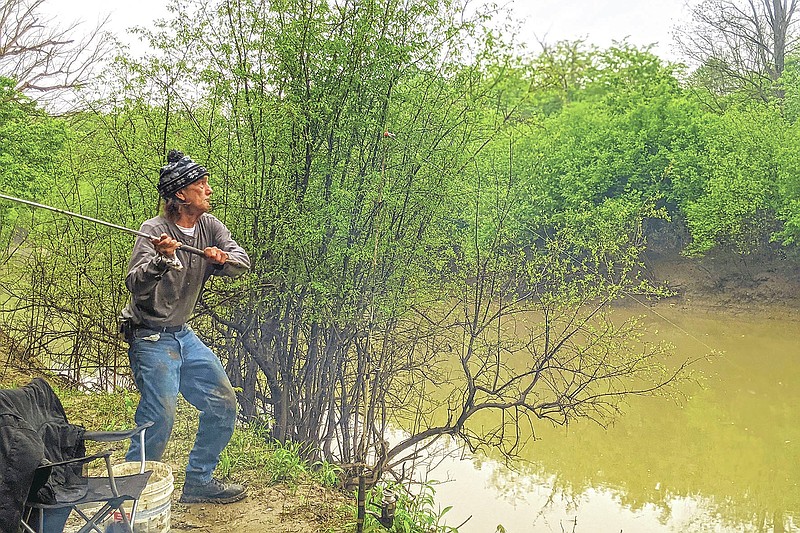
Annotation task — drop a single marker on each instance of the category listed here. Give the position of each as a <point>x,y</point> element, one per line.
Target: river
<point>724,459</point>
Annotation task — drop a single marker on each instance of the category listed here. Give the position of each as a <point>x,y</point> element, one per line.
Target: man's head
<point>183,183</point>
<point>179,172</point>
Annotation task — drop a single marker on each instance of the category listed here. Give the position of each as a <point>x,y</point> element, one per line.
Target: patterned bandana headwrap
<point>179,172</point>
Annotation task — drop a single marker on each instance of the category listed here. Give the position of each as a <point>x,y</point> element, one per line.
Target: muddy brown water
<point>725,459</point>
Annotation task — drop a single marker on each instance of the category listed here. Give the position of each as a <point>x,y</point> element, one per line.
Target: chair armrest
<point>77,460</point>
<point>112,436</point>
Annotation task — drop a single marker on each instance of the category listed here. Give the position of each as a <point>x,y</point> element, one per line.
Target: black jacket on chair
<point>34,431</point>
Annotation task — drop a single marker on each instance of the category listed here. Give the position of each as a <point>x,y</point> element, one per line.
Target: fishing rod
<point>185,247</point>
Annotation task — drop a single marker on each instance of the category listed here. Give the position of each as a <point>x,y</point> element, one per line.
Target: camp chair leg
<point>125,520</point>
<point>51,521</point>
<point>91,523</point>
<point>28,528</point>
<point>134,508</point>
<point>24,523</point>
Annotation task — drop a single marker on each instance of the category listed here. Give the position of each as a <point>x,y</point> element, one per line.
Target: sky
<point>600,22</point>
<point>641,22</point>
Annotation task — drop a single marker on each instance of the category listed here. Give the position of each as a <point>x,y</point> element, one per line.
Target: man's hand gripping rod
<point>185,247</point>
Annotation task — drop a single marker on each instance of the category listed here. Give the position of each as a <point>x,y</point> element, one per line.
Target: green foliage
<point>422,511</point>
<point>621,136</point>
<point>626,129</point>
<point>560,74</point>
<point>252,449</point>
<point>327,474</point>
<point>285,463</point>
<point>248,449</point>
<point>30,144</point>
<point>790,84</point>
<point>99,411</point>
<point>739,200</point>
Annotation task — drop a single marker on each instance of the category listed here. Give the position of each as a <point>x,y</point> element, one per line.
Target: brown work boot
<point>215,491</point>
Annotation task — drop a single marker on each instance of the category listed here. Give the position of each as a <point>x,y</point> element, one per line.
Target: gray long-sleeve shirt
<point>162,296</point>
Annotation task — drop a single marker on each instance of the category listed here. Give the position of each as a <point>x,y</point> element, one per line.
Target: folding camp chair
<point>109,490</point>
<point>59,485</point>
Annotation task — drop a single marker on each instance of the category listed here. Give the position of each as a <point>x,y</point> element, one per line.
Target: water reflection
<point>727,458</point>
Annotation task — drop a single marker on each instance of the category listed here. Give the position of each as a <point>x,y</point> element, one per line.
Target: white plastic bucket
<point>154,511</point>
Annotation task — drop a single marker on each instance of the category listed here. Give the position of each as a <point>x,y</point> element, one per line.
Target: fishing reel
<point>388,506</point>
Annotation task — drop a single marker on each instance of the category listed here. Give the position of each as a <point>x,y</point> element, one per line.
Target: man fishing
<point>166,356</point>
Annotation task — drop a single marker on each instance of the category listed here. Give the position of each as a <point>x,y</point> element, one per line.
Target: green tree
<point>629,132</point>
<point>30,143</point>
<point>30,148</point>
<point>737,208</point>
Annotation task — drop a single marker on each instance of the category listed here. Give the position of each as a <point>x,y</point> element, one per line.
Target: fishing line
<point>637,300</point>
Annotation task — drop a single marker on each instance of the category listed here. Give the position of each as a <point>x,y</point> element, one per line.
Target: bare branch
<point>46,59</point>
<point>741,45</point>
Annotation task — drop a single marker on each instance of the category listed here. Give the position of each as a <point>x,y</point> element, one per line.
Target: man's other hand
<point>215,255</point>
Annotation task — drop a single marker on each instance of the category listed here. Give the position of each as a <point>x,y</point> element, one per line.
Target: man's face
<point>196,195</point>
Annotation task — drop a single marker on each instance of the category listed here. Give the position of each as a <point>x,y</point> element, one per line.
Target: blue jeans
<point>164,364</point>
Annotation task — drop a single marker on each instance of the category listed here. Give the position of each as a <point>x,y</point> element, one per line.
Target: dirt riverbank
<point>766,285</point>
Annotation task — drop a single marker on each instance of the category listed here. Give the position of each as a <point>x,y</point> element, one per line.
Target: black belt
<point>162,329</point>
